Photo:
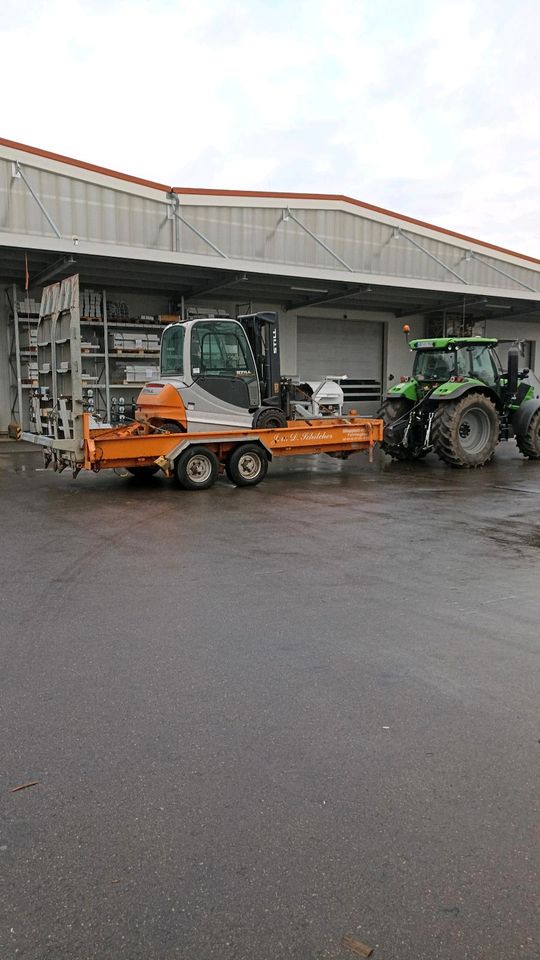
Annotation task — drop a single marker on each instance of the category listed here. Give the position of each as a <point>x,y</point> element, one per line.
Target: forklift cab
<point>214,355</point>
<point>236,361</point>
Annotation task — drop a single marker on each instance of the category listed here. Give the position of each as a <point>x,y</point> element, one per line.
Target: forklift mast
<point>263,335</point>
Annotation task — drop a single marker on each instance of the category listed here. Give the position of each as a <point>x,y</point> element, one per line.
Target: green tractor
<point>459,402</point>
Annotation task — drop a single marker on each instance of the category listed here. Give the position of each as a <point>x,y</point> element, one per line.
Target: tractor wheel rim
<point>474,430</point>
<point>199,469</point>
<point>249,466</point>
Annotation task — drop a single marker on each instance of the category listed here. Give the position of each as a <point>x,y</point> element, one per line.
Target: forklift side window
<point>172,351</point>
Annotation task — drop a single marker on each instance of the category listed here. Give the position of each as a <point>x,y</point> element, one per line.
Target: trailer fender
<point>522,417</point>
<point>232,440</point>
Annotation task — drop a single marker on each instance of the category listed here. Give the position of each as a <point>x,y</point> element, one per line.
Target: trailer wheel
<point>142,473</point>
<point>196,468</point>
<point>247,465</point>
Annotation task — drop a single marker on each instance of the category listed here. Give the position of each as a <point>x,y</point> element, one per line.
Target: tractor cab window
<point>172,351</point>
<point>482,365</point>
<point>463,362</point>
<point>434,365</point>
<point>220,349</point>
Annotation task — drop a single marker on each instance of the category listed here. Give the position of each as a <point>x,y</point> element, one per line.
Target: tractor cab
<point>445,358</point>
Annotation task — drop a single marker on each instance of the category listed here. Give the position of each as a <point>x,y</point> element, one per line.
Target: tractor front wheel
<point>529,442</point>
<point>391,413</point>
<point>465,432</point>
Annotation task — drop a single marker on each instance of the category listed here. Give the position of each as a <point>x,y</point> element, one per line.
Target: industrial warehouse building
<point>343,275</point>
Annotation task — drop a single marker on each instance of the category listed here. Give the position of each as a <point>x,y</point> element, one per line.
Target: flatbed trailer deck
<point>140,449</point>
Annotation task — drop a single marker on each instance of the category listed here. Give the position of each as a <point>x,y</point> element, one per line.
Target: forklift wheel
<point>196,468</point>
<point>269,418</point>
<point>247,465</point>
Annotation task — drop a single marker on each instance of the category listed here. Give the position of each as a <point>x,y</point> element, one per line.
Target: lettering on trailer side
<point>308,435</point>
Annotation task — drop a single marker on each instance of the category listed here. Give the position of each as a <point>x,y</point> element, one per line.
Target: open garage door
<point>335,347</point>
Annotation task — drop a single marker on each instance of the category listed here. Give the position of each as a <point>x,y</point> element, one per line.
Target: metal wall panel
<point>102,210</point>
<point>332,346</point>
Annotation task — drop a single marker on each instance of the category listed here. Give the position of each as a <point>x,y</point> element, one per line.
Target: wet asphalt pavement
<point>263,719</point>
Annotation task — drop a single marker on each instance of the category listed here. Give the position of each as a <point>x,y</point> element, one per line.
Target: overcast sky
<point>430,109</point>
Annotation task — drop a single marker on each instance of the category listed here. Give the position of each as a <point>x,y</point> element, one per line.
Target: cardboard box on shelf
<point>133,373</point>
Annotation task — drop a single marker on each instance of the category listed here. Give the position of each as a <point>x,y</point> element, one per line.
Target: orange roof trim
<point>198,191</point>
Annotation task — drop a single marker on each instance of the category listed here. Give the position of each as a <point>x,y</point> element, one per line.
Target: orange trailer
<point>197,459</point>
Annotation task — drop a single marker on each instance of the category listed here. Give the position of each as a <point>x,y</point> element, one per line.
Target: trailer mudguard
<point>522,417</point>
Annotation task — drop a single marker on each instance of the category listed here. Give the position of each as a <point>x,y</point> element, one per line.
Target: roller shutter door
<point>329,347</point>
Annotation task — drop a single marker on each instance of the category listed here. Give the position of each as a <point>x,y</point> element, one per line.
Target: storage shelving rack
<point>106,390</point>
<point>23,316</point>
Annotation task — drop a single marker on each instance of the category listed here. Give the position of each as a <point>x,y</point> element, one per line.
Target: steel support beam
<point>471,255</point>
<point>398,232</point>
<point>19,174</point>
<point>289,215</point>
<point>215,287</point>
<point>173,213</point>
<point>332,298</point>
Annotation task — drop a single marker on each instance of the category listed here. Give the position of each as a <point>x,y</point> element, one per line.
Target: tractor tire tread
<point>529,442</point>
<point>443,432</point>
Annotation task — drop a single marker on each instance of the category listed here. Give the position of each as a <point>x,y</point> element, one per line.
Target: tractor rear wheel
<point>465,432</point>
<point>391,412</point>
<point>529,442</point>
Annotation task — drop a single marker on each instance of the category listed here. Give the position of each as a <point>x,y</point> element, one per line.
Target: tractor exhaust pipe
<point>513,369</point>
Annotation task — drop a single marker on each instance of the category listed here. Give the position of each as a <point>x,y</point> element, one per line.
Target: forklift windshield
<point>220,349</point>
